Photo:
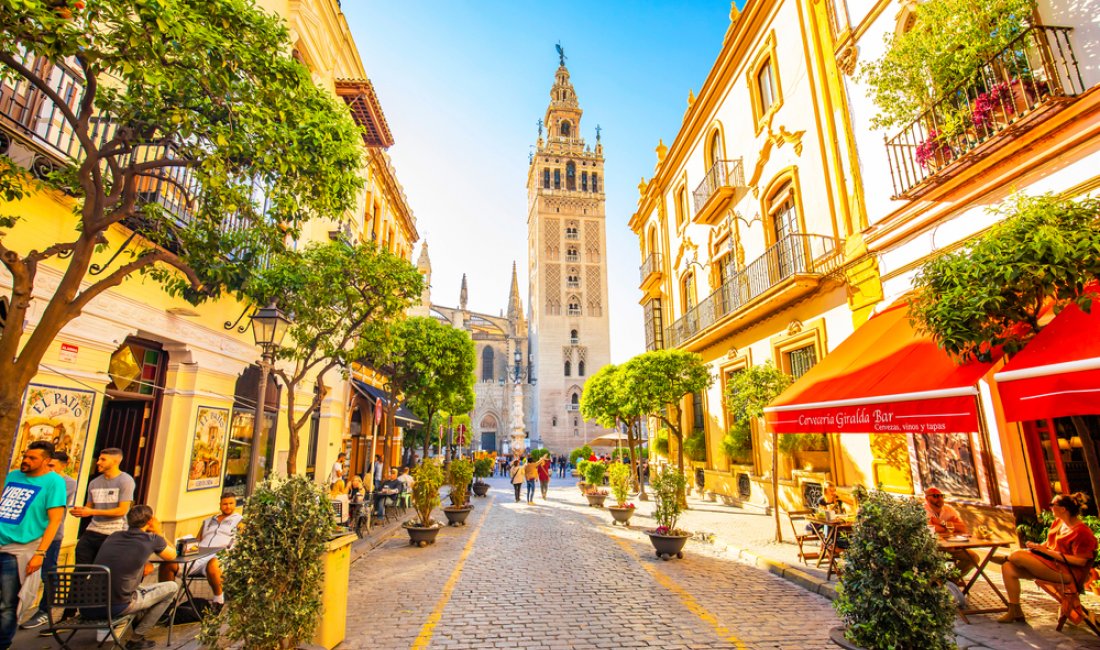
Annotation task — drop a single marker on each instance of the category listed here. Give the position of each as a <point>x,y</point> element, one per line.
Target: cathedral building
<point>502,370</point>
<point>567,257</point>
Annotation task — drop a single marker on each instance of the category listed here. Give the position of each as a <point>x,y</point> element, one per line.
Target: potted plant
<point>428,477</point>
<point>667,539</point>
<point>934,152</point>
<point>483,468</point>
<point>289,524</point>
<point>593,475</point>
<point>891,551</point>
<point>581,484</point>
<point>619,473</point>
<point>459,475</point>
<point>577,455</point>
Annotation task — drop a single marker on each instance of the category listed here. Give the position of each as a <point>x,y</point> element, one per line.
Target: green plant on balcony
<point>747,392</point>
<point>945,48</point>
<point>695,445</point>
<point>737,443</point>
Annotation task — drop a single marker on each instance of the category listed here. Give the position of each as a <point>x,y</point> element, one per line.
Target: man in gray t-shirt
<point>109,497</point>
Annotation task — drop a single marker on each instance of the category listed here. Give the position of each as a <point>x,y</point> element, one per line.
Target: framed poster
<point>58,415</point>
<point>208,448</point>
<point>946,460</point>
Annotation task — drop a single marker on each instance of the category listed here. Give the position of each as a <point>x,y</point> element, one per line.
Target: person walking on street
<point>530,475</point>
<point>544,475</point>
<point>517,477</point>
<point>31,509</point>
<point>562,463</point>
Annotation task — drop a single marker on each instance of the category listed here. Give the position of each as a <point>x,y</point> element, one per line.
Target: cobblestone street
<point>558,575</point>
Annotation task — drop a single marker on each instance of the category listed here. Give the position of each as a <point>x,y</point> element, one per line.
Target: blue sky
<point>462,84</point>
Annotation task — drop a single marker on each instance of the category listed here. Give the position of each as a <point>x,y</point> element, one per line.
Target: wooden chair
<point>804,534</point>
<point>1070,608</point>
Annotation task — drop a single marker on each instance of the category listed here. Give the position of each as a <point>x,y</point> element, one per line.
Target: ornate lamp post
<point>269,326</point>
<point>519,375</point>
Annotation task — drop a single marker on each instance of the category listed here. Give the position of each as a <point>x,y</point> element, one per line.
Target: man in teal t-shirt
<point>31,509</point>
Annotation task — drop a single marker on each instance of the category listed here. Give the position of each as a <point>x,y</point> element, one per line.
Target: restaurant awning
<point>1058,373</point>
<point>884,378</point>
<point>403,415</point>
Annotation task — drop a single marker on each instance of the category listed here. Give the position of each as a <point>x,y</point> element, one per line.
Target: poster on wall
<point>58,415</point>
<point>208,448</point>
<point>946,461</point>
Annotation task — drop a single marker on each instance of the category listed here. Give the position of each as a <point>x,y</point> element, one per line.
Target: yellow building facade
<point>175,385</point>
<point>777,222</point>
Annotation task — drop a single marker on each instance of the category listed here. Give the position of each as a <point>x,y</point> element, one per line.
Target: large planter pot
<point>456,516</point>
<point>421,536</point>
<point>481,489</point>
<point>668,545</point>
<point>596,500</point>
<point>582,486</point>
<point>621,515</point>
<point>836,635</point>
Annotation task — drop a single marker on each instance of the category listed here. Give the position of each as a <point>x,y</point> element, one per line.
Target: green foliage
<point>892,593</point>
<point>582,465</point>
<point>668,486</point>
<point>619,478</point>
<point>483,467</point>
<point>594,472</point>
<point>580,453</point>
<point>620,453</point>
<point>660,442</point>
<point>659,380</point>
<point>287,524</point>
<point>538,454</point>
<point>695,445</point>
<point>748,391</point>
<point>989,295</point>
<point>737,443</point>
<point>945,49</point>
<point>459,475</point>
<point>428,478</point>
<point>792,442</point>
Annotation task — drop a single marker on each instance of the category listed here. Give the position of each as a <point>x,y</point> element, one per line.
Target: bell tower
<point>567,253</point>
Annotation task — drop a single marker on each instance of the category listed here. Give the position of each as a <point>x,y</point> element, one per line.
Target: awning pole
<point>775,485</point>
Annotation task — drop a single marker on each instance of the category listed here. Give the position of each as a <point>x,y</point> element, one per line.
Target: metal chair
<point>390,504</point>
<point>85,588</point>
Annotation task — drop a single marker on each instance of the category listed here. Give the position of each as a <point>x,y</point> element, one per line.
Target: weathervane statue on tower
<point>561,53</point>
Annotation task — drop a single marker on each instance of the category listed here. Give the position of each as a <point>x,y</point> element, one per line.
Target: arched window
<point>573,338</point>
<point>573,280</point>
<point>554,421</point>
<point>715,151</point>
<point>574,306</point>
<point>566,129</point>
<point>545,178</point>
<point>687,292</point>
<point>571,254</point>
<point>584,181</point>
<point>765,86</point>
<point>487,364</point>
<point>681,206</point>
<point>570,176</point>
<point>557,179</point>
<point>595,182</point>
<point>783,221</point>
<point>580,368</point>
<point>651,242</point>
<point>568,368</point>
<point>575,399</point>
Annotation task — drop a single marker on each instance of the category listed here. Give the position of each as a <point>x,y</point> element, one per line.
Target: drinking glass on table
<point>950,526</point>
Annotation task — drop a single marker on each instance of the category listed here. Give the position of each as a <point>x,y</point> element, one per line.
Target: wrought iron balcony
<point>1022,85</point>
<point>793,257</point>
<point>721,182</point>
<point>650,267</point>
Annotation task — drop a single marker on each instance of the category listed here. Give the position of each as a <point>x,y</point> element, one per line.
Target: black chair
<point>85,588</point>
<point>390,504</point>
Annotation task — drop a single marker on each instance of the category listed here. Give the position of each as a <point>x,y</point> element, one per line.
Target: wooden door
<point>127,424</point>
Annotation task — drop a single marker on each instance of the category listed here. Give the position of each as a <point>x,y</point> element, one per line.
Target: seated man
<point>946,520</point>
<point>389,488</point>
<point>218,531</point>
<point>125,553</point>
<point>406,479</point>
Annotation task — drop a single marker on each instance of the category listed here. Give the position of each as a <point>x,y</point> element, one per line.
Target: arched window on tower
<point>584,181</point>
<point>566,127</point>
<point>595,182</point>
<point>545,178</point>
<point>574,306</point>
<point>570,176</point>
<point>557,179</point>
<point>573,337</point>
<point>575,399</point>
<point>487,364</point>
<point>568,368</point>
<point>580,368</point>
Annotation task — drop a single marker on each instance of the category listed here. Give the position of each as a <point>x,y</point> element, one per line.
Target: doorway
<point>1060,457</point>
<point>130,413</point>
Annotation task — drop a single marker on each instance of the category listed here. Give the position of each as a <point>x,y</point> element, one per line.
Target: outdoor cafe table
<point>186,562</point>
<point>828,531</point>
<point>973,543</point>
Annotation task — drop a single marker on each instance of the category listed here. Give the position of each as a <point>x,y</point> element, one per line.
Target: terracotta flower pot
<point>667,545</point>
<point>596,500</point>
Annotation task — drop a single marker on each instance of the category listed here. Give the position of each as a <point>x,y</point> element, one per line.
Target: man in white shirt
<point>337,472</point>
<point>219,531</point>
<point>407,479</point>
<point>109,498</point>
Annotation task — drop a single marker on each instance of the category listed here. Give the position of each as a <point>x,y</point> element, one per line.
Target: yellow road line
<point>687,599</point>
<point>425,636</point>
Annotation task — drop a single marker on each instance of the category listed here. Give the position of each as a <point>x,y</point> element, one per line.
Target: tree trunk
<point>1088,446</point>
<point>428,434</point>
<point>11,396</point>
<point>387,446</point>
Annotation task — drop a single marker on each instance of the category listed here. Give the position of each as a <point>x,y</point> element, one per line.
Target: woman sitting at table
<point>1066,556</point>
<point>356,494</point>
<point>831,503</point>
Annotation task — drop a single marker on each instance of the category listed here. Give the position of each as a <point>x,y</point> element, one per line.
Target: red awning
<point>884,378</point>
<point>1058,373</point>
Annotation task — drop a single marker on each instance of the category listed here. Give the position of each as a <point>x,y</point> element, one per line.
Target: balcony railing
<point>651,265</point>
<point>793,255</point>
<point>723,174</point>
<point>572,234</point>
<point>28,113</point>
<point>572,257</point>
<point>1028,78</point>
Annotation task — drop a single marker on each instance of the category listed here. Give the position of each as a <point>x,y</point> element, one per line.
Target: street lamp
<point>269,326</point>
